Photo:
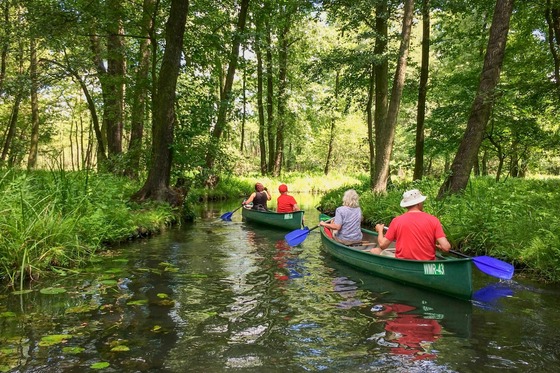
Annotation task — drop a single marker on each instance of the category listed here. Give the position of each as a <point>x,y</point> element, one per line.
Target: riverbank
<point>59,219</point>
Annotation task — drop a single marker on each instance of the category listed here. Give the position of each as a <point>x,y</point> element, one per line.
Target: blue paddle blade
<point>494,267</point>
<point>296,237</point>
<point>226,216</point>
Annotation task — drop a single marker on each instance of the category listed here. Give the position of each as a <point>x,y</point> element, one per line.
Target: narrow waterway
<point>217,296</point>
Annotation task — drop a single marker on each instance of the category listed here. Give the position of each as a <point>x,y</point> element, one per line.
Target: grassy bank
<point>60,219</point>
<point>515,220</point>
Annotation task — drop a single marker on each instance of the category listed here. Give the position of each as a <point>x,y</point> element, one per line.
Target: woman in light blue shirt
<point>347,220</point>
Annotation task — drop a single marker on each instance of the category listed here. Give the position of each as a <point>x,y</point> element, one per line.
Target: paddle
<point>491,266</point>
<point>296,237</point>
<point>227,215</point>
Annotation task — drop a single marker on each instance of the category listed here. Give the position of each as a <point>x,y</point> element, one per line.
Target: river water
<point>215,296</point>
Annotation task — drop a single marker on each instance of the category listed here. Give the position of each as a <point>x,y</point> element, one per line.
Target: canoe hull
<point>287,221</point>
<point>449,276</point>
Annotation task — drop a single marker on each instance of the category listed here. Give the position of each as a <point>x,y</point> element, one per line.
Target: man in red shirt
<point>286,203</point>
<point>417,234</point>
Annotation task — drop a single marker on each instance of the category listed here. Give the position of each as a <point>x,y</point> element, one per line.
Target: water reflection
<point>489,296</point>
<point>406,333</point>
<point>215,296</point>
<point>454,315</point>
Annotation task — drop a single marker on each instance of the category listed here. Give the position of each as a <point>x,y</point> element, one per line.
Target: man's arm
<point>443,244</point>
<point>381,240</point>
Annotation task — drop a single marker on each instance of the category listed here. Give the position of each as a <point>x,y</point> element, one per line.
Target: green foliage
<point>60,219</point>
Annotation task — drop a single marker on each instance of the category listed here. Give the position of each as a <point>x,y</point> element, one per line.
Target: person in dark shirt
<point>259,198</point>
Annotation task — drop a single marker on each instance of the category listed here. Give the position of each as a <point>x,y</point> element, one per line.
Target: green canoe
<point>288,220</point>
<point>445,275</point>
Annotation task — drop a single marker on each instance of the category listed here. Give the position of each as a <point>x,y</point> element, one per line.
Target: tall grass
<point>60,219</point>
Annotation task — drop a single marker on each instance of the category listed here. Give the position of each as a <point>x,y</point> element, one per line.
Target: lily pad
<point>120,348</point>
<point>162,295</point>
<point>139,302</point>
<point>20,292</point>
<point>51,340</point>
<point>8,314</point>
<point>51,291</point>
<point>73,350</point>
<point>108,282</point>
<point>8,351</point>
<point>100,365</point>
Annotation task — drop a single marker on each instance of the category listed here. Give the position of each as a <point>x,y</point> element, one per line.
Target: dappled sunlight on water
<point>215,296</point>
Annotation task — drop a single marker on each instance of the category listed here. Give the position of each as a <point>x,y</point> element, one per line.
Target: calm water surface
<point>218,296</point>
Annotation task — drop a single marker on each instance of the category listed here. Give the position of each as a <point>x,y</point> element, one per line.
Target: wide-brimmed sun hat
<point>412,197</point>
<point>283,188</point>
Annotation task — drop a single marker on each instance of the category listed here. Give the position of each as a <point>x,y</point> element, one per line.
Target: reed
<point>51,219</point>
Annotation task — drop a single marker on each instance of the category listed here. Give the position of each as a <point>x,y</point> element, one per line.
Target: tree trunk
<point>269,99</point>
<point>483,102</point>
<point>282,97</point>
<point>140,91</point>
<point>333,123</point>
<point>552,16</point>
<point>34,143</point>
<point>156,186</point>
<point>11,129</point>
<point>260,103</point>
<point>95,45</point>
<point>370,124</point>
<point>5,43</point>
<point>244,111</point>
<point>92,110</point>
<point>226,94</point>
<point>386,135</point>
<point>12,126</point>
<point>422,92</point>
<point>114,97</point>
<point>381,76</point>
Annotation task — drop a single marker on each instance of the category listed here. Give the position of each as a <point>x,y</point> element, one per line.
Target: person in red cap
<point>286,203</point>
